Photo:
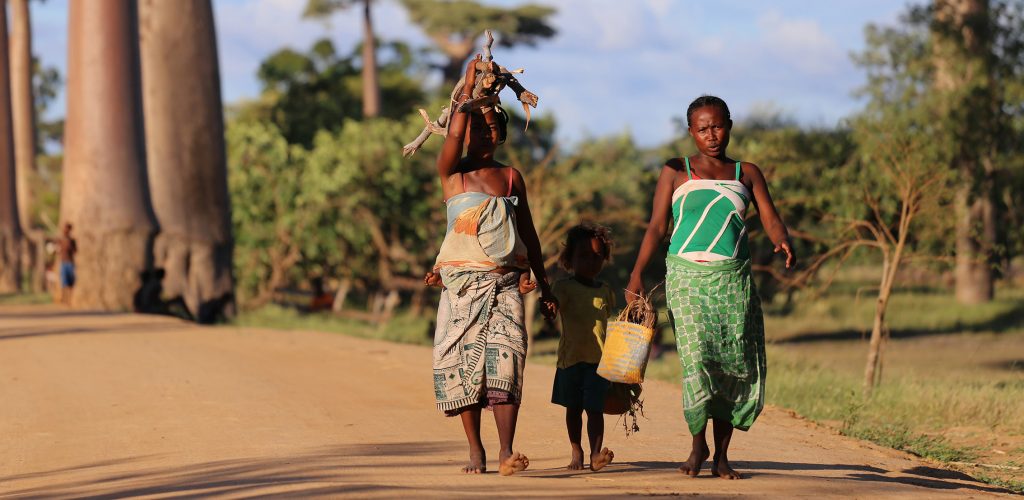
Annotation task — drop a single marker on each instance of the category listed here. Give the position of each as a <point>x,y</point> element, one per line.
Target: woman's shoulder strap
<point>738,171</point>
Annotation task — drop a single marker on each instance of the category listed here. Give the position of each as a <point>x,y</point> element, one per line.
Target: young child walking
<point>584,306</point>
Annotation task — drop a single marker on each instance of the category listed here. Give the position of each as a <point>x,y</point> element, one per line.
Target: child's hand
<point>432,279</point>
<point>790,256</point>
<point>526,285</point>
<point>548,307</point>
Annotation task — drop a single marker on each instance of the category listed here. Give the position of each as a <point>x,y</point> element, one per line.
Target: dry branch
<point>485,94</point>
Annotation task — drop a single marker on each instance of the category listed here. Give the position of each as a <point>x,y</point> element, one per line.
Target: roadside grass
<point>403,328</point>
<point>24,299</point>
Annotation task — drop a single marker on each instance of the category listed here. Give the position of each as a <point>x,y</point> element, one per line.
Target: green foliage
<point>270,215</point>
<point>455,26</point>
<point>348,206</point>
<point>467,19</point>
<point>323,8</point>
<point>305,93</point>
<point>46,82</point>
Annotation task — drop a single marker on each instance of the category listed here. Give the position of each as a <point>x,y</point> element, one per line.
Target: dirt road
<point>126,405</point>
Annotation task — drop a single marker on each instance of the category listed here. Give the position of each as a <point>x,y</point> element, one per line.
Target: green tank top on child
<point>708,219</point>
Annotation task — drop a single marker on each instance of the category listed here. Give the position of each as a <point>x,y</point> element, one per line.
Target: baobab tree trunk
<point>10,225</point>
<point>371,84</point>
<point>962,51</point>
<point>185,155</point>
<point>23,113</point>
<point>104,193</point>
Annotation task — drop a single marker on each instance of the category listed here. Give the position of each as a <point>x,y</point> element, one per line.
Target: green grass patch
<point>404,328</point>
<point>21,299</point>
<point>1014,485</point>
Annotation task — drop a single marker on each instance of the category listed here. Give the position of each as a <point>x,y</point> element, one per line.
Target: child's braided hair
<point>581,234</point>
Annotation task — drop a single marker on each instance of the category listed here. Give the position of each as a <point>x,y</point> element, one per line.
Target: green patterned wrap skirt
<point>716,314</point>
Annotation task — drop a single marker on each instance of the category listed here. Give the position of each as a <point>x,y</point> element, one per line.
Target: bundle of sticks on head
<point>491,79</point>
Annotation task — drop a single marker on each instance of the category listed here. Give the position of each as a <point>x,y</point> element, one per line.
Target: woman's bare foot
<point>603,458</point>
<point>691,467</point>
<point>477,462</point>
<point>720,467</point>
<point>576,461</point>
<point>516,462</point>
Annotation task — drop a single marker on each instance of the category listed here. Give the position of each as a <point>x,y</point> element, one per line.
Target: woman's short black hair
<point>581,234</point>
<point>707,100</point>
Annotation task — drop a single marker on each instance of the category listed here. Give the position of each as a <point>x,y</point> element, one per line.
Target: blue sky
<point>616,65</point>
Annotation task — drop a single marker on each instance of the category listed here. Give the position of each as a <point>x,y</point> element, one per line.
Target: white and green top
<point>708,219</point>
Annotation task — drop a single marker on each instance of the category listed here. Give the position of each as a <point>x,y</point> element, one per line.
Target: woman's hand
<point>470,80</point>
<point>634,289</point>
<point>790,256</point>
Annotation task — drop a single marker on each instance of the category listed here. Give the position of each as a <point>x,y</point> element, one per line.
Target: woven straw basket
<point>626,349</point>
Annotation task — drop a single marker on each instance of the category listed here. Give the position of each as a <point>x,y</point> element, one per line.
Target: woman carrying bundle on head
<point>484,263</point>
<point>713,303</point>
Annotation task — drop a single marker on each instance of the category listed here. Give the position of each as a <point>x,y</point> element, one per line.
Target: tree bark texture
<point>104,193</point>
<point>962,42</point>
<point>371,83</point>
<point>10,224</point>
<point>185,155</point>
<point>25,138</point>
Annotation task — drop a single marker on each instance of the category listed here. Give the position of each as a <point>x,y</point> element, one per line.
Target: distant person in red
<point>322,301</point>
<point>67,249</point>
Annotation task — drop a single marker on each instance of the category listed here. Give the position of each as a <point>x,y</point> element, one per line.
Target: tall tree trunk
<point>371,84</point>
<point>23,113</point>
<point>104,193</point>
<point>185,155</point>
<point>10,224</point>
<point>962,46</point>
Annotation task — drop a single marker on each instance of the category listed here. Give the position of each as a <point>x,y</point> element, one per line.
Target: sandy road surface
<point>128,405</point>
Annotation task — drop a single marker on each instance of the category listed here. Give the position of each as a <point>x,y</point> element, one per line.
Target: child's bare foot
<point>603,458</point>
<point>432,279</point>
<point>526,285</point>
<point>720,467</point>
<point>477,462</point>
<point>516,462</point>
<point>691,467</point>
<point>576,462</point>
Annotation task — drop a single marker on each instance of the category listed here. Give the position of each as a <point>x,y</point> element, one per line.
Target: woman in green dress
<point>713,303</point>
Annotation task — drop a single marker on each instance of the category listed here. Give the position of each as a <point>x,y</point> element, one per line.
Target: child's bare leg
<point>698,454</point>
<point>720,464</point>
<point>477,456</point>
<point>509,462</point>
<point>574,425</point>
<point>599,457</point>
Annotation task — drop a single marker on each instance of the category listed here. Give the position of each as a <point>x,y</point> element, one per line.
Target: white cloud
<point>800,43</point>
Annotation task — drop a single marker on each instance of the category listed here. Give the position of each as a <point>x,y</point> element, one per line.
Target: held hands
<point>548,304</point>
<point>790,256</point>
